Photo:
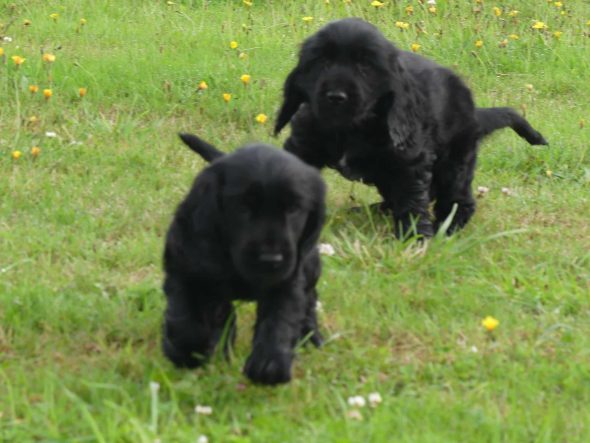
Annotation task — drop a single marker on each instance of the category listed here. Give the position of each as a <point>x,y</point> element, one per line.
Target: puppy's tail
<point>491,119</point>
<point>201,147</point>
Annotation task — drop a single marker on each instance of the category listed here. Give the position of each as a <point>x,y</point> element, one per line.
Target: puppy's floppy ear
<point>316,215</point>
<point>198,228</point>
<point>204,198</point>
<point>292,99</point>
<point>400,108</point>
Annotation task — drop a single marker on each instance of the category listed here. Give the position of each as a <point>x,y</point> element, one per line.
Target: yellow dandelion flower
<point>233,44</point>
<point>83,21</point>
<point>248,3</point>
<point>558,4</point>
<point>588,23</point>
<point>377,4</point>
<point>202,85</point>
<point>402,25</point>
<point>18,60</point>
<point>27,22</point>
<point>539,25</point>
<point>1,51</point>
<point>497,11</point>
<point>557,34</point>
<point>307,19</point>
<point>35,151</point>
<point>513,13</point>
<point>503,43</point>
<point>261,118</point>
<point>513,37</point>
<point>16,155</point>
<point>54,16</point>
<point>549,173</point>
<point>33,119</point>
<point>409,10</point>
<point>245,79</point>
<point>226,97</point>
<point>415,47</point>
<point>432,9</point>
<point>478,43</point>
<point>49,58</point>
<point>529,86</point>
<point>490,323</point>
<point>33,88</point>
<point>47,93</point>
<point>243,56</point>
<point>82,92</point>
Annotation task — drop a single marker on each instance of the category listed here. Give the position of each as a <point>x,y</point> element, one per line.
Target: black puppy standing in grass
<point>247,230</point>
<point>392,119</point>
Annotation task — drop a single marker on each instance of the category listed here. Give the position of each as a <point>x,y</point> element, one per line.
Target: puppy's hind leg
<point>310,329</point>
<point>193,325</point>
<point>452,184</point>
<point>406,197</point>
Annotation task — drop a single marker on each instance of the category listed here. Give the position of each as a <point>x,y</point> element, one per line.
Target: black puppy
<point>247,230</point>
<point>390,118</point>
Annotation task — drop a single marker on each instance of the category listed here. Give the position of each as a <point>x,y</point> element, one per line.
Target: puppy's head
<point>268,208</point>
<point>344,73</point>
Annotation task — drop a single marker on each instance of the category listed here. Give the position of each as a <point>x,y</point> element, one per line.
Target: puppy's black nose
<point>270,258</point>
<point>337,97</point>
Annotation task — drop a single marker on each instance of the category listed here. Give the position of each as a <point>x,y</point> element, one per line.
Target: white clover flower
<point>482,190</point>
<point>357,401</point>
<point>326,249</point>
<point>50,134</point>
<point>154,387</point>
<point>375,399</point>
<point>202,439</point>
<point>7,39</point>
<point>507,191</point>
<point>355,414</point>
<point>474,349</point>
<point>203,410</point>
<point>319,307</point>
<point>431,2</point>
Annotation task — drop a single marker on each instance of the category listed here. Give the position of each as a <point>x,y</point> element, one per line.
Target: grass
<point>81,230</point>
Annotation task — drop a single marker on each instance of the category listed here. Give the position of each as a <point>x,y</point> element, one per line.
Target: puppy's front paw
<point>182,357</point>
<point>269,366</point>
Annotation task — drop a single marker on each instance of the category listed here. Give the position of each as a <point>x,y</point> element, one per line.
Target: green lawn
<point>82,225</point>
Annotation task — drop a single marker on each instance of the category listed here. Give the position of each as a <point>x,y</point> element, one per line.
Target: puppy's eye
<point>242,207</point>
<point>292,207</point>
<point>323,64</point>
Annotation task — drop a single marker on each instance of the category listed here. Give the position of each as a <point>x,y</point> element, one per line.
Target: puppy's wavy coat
<point>247,230</point>
<point>390,118</point>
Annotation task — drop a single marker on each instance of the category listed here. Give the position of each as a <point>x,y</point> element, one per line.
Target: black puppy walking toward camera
<point>390,118</point>
<point>247,230</point>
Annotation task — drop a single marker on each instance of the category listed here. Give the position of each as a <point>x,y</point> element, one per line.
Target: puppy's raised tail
<point>201,147</point>
<point>491,119</point>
